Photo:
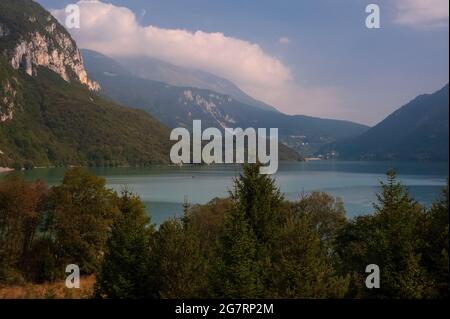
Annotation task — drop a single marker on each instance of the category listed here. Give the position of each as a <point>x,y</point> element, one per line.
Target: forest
<point>253,244</point>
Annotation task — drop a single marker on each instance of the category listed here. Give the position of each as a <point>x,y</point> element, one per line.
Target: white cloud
<point>284,40</point>
<point>422,13</point>
<point>115,31</point>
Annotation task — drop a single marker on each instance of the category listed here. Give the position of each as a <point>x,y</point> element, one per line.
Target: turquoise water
<point>164,188</point>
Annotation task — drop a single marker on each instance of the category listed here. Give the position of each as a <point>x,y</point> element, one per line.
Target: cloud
<point>115,31</point>
<point>422,13</point>
<point>284,40</point>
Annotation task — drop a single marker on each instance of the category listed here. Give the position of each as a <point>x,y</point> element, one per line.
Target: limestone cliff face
<point>54,50</point>
<point>30,37</point>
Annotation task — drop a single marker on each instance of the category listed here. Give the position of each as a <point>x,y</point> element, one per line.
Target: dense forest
<point>253,244</point>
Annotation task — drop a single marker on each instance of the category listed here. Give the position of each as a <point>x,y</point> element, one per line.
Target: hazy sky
<point>312,57</point>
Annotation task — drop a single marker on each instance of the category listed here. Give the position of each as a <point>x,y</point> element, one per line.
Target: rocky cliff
<point>31,37</point>
<point>56,52</point>
<point>48,115</point>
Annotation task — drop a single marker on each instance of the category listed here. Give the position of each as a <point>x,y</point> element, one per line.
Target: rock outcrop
<point>58,53</point>
<point>31,38</point>
<point>37,39</point>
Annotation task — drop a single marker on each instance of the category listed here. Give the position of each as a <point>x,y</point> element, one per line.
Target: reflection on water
<point>163,188</point>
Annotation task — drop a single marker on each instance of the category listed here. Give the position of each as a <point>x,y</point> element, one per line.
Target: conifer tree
<point>180,268</point>
<point>238,272</point>
<point>259,200</point>
<point>250,228</point>
<point>391,238</point>
<point>125,269</point>
<point>435,253</point>
<point>302,267</point>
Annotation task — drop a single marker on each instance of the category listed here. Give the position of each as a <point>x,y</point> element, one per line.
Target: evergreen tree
<point>435,252</point>
<point>391,238</point>
<point>238,270</point>
<point>301,266</point>
<point>180,268</point>
<point>125,269</point>
<point>250,227</point>
<point>259,200</point>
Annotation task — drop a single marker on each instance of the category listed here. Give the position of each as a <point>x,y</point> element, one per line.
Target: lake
<point>163,188</point>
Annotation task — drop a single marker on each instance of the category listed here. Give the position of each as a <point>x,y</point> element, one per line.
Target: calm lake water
<point>164,188</point>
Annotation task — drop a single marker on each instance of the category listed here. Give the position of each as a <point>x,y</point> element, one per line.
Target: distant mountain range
<point>50,110</point>
<point>56,109</point>
<point>178,106</point>
<point>157,70</point>
<point>417,131</point>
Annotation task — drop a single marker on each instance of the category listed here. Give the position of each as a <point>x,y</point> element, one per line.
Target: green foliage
<point>64,124</point>
<point>249,229</point>
<point>391,238</point>
<point>435,253</point>
<point>238,273</point>
<point>269,249</point>
<point>301,264</point>
<point>228,248</point>
<point>125,269</point>
<point>81,214</point>
<point>179,265</point>
<point>22,18</point>
<point>327,215</point>
<point>259,200</point>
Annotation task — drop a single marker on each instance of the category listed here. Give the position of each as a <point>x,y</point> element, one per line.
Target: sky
<point>311,57</point>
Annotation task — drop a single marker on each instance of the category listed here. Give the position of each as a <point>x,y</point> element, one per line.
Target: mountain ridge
<point>161,71</point>
<point>178,106</point>
<point>416,131</point>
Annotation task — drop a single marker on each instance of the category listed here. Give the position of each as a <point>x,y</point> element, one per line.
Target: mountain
<point>417,131</point>
<point>50,113</point>
<point>178,106</point>
<point>174,106</point>
<point>157,70</point>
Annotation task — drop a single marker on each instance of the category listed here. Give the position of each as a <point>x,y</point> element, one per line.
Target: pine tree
<point>249,230</point>
<point>301,266</point>
<point>259,200</point>
<point>238,272</point>
<point>391,238</point>
<point>435,253</point>
<point>125,269</point>
<point>180,268</point>
<point>400,222</point>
